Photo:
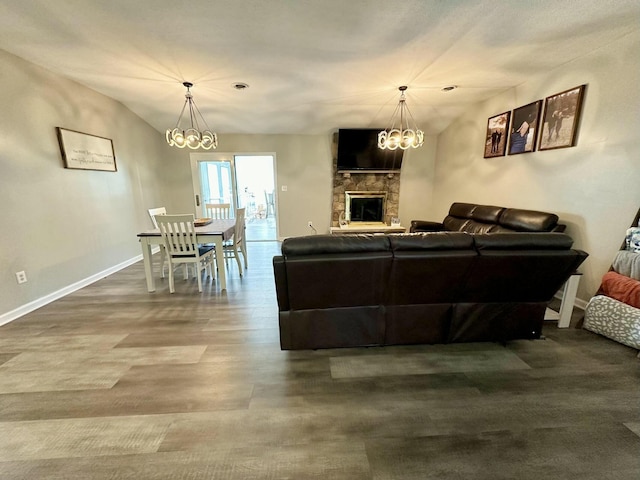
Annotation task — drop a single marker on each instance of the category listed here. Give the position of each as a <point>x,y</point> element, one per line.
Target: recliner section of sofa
<point>331,290</point>
<point>474,218</point>
<point>420,288</point>
<point>427,274</point>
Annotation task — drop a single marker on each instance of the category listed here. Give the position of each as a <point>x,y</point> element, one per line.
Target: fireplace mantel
<point>367,228</point>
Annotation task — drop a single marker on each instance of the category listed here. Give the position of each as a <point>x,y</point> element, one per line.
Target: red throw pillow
<point>621,288</point>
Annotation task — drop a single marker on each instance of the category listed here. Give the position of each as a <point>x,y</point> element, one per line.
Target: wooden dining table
<point>214,233</point>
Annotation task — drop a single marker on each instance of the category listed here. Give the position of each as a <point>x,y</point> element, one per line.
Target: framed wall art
<point>561,117</point>
<point>524,128</point>
<point>495,143</point>
<point>86,152</point>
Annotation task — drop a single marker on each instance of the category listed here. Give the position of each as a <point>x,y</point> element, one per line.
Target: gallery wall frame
<point>561,119</point>
<point>495,144</point>
<point>524,128</point>
<point>86,152</point>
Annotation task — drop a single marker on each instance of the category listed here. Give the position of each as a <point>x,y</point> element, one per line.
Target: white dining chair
<point>218,211</point>
<point>270,206</point>
<point>179,236</point>
<point>163,254</point>
<point>236,242</point>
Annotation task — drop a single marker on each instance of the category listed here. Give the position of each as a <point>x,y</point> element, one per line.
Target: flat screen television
<point>358,151</point>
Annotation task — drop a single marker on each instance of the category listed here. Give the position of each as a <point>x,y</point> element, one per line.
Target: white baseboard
<point>579,303</point>
<point>555,316</point>
<point>52,297</point>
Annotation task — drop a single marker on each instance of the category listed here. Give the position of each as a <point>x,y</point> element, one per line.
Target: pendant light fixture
<point>401,135</point>
<point>192,137</point>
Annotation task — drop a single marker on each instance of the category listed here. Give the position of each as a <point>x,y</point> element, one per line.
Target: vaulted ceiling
<point>311,65</point>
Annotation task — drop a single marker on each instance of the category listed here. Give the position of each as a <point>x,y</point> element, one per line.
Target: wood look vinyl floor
<point>112,382</point>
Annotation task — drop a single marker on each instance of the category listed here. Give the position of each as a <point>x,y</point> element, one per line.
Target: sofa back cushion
<point>429,267</point>
<point>327,271</point>
<point>432,241</point>
<point>472,218</point>
<point>520,267</point>
<point>342,244</point>
<point>519,220</point>
<point>480,213</point>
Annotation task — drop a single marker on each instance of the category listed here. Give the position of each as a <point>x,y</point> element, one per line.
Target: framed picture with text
<point>561,117</point>
<point>495,141</point>
<point>524,128</point>
<point>86,152</point>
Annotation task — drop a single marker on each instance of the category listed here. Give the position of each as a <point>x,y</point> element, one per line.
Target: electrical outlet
<point>21,277</point>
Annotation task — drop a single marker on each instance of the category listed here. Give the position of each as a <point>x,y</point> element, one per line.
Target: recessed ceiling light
<point>449,88</point>
<point>240,86</point>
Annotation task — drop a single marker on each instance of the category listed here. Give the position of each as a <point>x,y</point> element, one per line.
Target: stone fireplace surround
<point>365,182</point>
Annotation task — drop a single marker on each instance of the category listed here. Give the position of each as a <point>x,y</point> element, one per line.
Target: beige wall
<point>416,182</point>
<point>594,187</point>
<point>62,226</point>
<point>304,166</point>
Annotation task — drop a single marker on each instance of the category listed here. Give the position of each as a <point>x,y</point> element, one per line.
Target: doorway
<point>242,180</point>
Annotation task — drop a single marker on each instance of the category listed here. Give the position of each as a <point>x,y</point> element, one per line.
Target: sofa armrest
<point>425,226</point>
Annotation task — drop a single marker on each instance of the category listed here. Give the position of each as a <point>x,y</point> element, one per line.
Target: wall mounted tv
<point>358,151</point>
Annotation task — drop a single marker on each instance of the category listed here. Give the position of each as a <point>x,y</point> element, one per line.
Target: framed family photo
<point>561,117</point>
<point>86,152</point>
<point>524,128</point>
<point>495,144</point>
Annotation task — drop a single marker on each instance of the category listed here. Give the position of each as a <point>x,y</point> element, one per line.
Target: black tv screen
<point>358,150</point>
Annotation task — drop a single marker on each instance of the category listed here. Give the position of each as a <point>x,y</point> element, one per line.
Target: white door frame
<point>195,159</point>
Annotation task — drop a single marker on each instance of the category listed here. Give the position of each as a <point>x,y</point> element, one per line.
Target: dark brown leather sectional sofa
<point>439,287</point>
<point>474,218</point>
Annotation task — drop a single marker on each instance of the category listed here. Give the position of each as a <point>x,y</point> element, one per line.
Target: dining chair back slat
<point>163,254</point>
<point>156,211</point>
<point>180,242</point>
<point>218,211</point>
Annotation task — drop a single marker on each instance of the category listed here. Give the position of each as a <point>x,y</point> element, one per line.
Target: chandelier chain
<point>192,137</point>
<point>403,136</point>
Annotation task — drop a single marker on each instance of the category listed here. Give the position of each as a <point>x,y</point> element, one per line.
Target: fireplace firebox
<point>365,207</point>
